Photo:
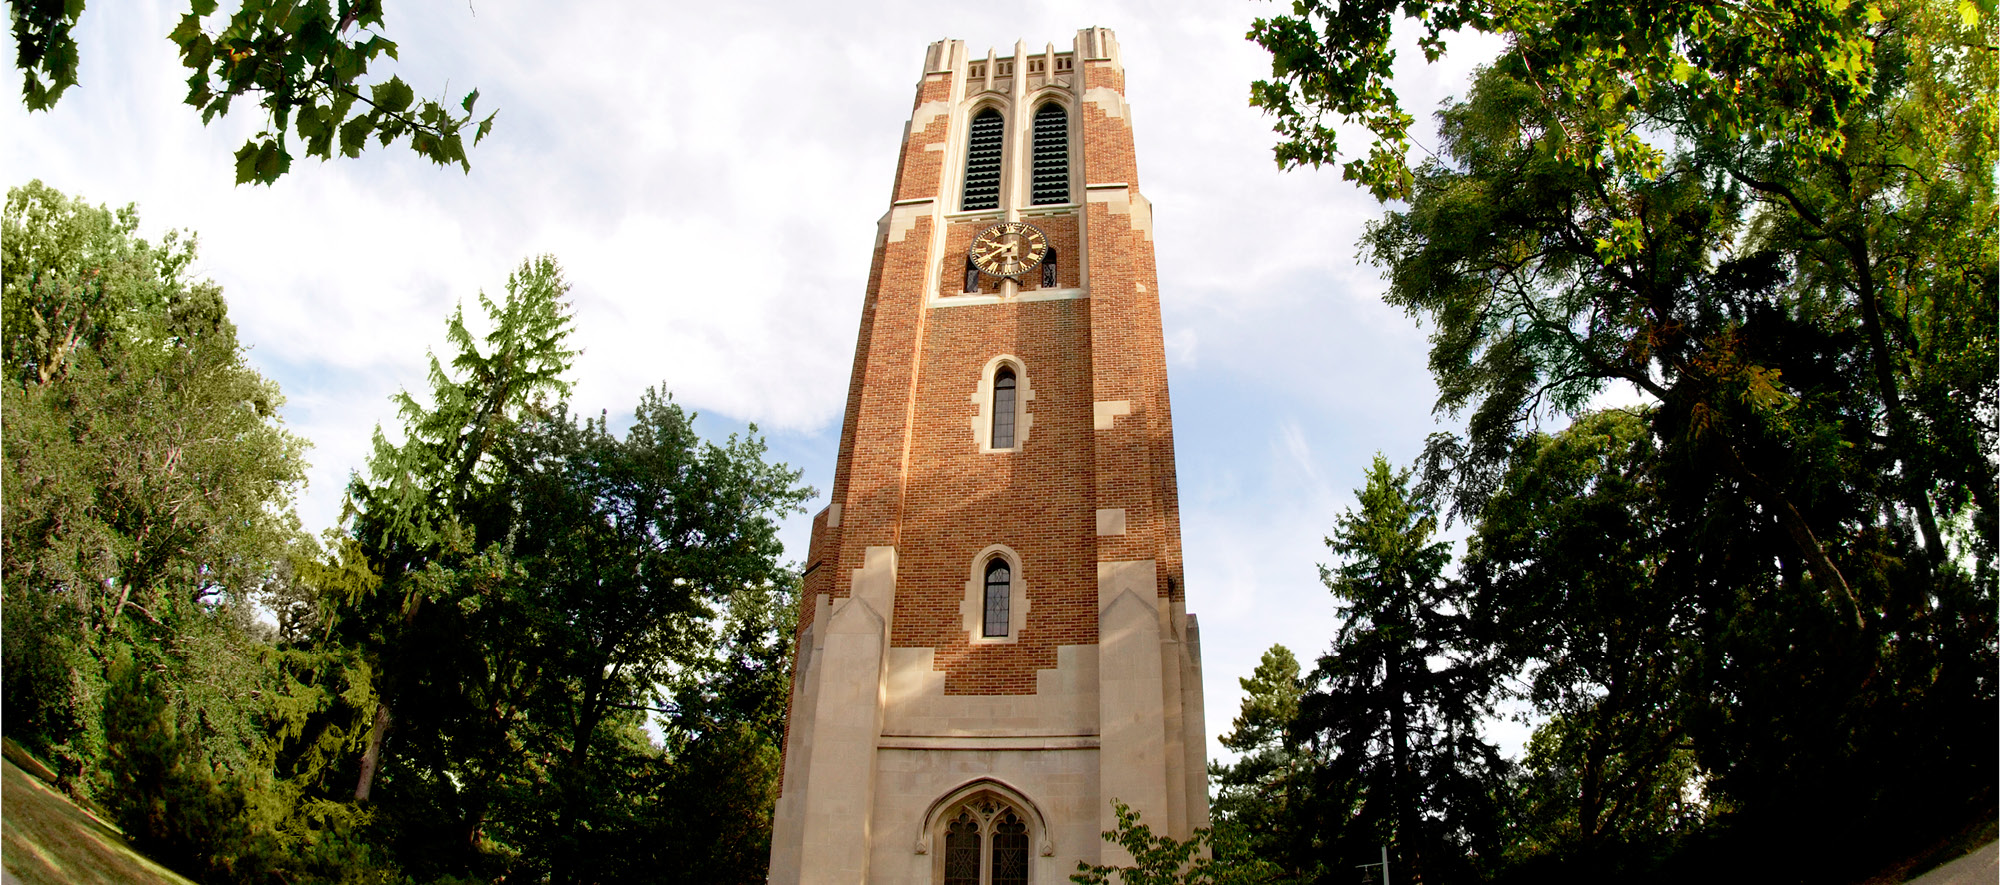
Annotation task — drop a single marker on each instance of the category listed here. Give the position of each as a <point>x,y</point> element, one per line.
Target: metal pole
<point>1384,864</point>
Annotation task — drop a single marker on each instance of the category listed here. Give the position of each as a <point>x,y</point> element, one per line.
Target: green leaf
<point>354,136</point>
<point>393,96</point>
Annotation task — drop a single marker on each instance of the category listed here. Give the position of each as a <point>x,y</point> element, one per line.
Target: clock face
<point>1009,249</point>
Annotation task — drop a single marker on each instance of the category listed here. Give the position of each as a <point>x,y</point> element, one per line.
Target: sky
<point>709,176</point>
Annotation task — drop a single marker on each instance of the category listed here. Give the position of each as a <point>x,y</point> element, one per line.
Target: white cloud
<point>710,176</point>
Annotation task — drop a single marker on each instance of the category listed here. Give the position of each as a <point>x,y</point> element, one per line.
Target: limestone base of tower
<point>891,753</point>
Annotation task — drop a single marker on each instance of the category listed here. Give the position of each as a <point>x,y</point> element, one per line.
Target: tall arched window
<point>986,843</point>
<point>999,590</point>
<point>1003,408</point>
<point>1050,276</point>
<point>982,162</point>
<point>1050,175</point>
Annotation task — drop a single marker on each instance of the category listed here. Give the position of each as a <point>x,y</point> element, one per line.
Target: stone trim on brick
<point>1110,521</point>
<point>973,608</point>
<point>1102,413</point>
<point>1095,693</point>
<point>982,396</point>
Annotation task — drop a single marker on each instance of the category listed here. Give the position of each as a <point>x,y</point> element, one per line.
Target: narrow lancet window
<point>1003,408</point>
<point>1050,276</point>
<point>961,851</point>
<point>999,587</point>
<point>1010,850</point>
<point>1050,173</point>
<point>971,276</point>
<point>982,162</point>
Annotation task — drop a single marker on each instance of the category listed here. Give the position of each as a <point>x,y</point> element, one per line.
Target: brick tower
<point>993,640</point>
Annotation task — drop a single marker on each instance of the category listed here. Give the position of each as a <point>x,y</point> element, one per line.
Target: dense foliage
<point>1758,610</point>
<point>1222,856</point>
<point>547,586</point>
<point>303,61</point>
<point>538,648</point>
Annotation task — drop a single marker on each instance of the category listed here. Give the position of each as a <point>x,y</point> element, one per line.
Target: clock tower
<point>994,643</point>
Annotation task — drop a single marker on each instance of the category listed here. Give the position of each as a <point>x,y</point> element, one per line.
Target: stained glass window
<point>1003,408</point>
<point>961,851</point>
<point>986,843</point>
<point>1010,850</point>
<point>999,587</point>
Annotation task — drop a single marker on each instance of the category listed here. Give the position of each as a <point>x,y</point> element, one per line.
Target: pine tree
<point>1391,711</point>
<point>1257,796</point>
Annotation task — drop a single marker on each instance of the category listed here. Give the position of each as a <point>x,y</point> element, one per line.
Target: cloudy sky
<point>709,175</point>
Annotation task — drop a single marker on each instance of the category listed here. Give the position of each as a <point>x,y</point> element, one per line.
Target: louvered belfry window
<point>982,162</point>
<point>1051,166</point>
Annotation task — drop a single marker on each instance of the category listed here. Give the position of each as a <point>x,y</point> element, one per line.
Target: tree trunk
<point>1916,481</point>
<point>373,756</point>
<point>1407,836</point>
<point>1818,562</point>
<point>563,869</point>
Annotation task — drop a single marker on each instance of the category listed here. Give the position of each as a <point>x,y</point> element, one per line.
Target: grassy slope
<point>48,840</point>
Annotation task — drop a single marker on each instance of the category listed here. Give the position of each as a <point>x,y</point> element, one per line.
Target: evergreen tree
<point>1391,713</point>
<point>547,591</point>
<point>413,515</point>
<point>1257,796</point>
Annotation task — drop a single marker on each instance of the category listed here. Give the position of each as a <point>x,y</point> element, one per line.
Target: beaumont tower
<point>993,641</point>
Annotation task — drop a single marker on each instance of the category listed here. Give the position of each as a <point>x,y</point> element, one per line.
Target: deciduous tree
<point>1580,570</point>
<point>148,476</point>
<point>303,61</point>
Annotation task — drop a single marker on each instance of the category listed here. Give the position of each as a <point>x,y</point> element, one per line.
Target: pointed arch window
<point>1051,277</point>
<point>982,162</point>
<point>986,843</point>
<point>1050,173</point>
<point>999,593</point>
<point>1003,408</point>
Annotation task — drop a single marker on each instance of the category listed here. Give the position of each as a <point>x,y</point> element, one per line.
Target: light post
<point>1384,865</point>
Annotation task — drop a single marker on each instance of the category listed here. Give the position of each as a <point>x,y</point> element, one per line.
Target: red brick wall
<point>910,473</point>
<point>1036,500</point>
<point>919,171</point>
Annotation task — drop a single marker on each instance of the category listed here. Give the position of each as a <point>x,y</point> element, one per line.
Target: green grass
<point>45,839</point>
